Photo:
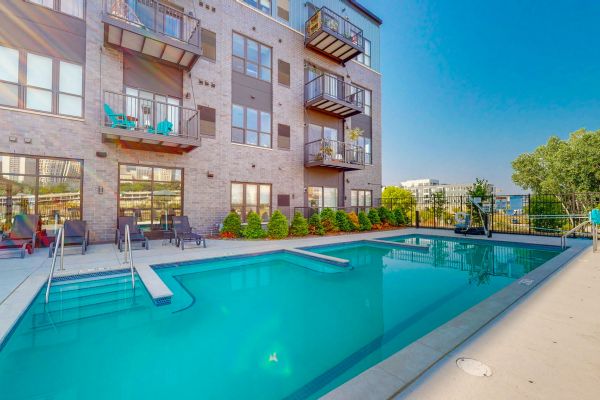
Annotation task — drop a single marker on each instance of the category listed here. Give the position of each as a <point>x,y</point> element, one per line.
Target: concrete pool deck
<point>20,281</point>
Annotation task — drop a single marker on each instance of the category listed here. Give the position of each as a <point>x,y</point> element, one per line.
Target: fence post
<point>529,212</point>
<point>416,217</point>
<point>434,213</point>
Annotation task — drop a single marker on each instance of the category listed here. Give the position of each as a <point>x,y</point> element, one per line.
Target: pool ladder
<point>129,255</point>
<point>60,241</point>
<point>563,238</point>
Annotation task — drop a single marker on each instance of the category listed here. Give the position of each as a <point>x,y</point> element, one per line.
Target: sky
<point>468,85</point>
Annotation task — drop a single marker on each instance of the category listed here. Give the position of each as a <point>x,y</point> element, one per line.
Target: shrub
<point>227,235</point>
<point>315,226</point>
<point>328,220</point>
<point>386,216</point>
<point>342,221</point>
<point>299,225</point>
<point>278,227</point>
<point>254,228</point>
<point>353,219</point>
<point>374,217</point>
<point>364,223</point>
<point>401,218</point>
<point>232,225</point>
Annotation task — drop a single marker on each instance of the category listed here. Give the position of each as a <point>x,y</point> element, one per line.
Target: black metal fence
<point>540,214</point>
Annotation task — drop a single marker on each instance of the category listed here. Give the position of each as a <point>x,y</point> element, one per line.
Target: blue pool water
<point>263,327</point>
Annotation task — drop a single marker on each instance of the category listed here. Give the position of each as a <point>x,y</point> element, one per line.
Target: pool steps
<point>158,290</point>
<point>422,247</point>
<point>340,262</point>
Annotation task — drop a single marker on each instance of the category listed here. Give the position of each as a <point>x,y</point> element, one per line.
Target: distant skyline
<point>470,85</point>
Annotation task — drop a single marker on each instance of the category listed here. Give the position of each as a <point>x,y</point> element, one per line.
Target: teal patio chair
<point>118,120</point>
<point>164,127</point>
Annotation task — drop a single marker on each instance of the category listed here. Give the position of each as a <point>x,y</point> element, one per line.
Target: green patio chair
<point>118,120</point>
<point>164,127</point>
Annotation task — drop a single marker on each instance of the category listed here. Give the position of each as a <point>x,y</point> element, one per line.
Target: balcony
<point>333,36</point>
<point>334,154</point>
<point>153,28</point>
<point>144,124</point>
<point>332,95</point>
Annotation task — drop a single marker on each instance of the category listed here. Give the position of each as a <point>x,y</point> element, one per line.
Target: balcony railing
<point>333,153</point>
<point>333,35</point>
<point>151,116</point>
<point>333,95</point>
<point>157,17</point>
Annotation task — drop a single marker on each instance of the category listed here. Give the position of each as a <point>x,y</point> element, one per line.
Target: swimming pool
<point>267,326</point>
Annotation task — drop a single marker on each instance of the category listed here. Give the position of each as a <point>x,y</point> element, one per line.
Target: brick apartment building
<point>154,108</point>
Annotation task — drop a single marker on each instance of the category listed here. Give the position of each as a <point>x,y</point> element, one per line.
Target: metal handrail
<point>333,86</point>
<point>563,238</point>
<point>60,240</point>
<point>328,149</point>
<point>326,19</point>
<point>128,254</point>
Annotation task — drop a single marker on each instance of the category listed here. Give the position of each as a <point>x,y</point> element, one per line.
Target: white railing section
<point>563,238</point>
<point>129,255</point>
<point>60,241</point>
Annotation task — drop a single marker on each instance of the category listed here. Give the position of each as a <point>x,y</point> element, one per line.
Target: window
<point>246,197</point>
<point>153,194</point>
<point>209,44</point>
<point>250,126</point>
<point>283,73</point>
<point>39,83</point>
<point>71,7</point>
<point>70,97</point>
<point>208,118</point>
<point>367,97</point>
<point>365,58</point>
<point>39,185</point>
<point>283,136</point>
<point>322,197</point>
<point>251,58</point>
<point>9,77</point>
<point>365,143</point>
<point>283,9</point>
<point>318,132</point>
<point>147,109</point>
<point>262,5</point>
<point>361,198</point>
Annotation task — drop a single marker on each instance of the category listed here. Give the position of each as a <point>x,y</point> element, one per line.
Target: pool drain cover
<point>473,367</point>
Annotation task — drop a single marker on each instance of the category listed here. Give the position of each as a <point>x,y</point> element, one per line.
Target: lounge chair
<point>184,233</point>
<point>118,120</point>
<point>164,127</point>
<point>76,234</point>
<point>22,235</point>
<point>137,236</point>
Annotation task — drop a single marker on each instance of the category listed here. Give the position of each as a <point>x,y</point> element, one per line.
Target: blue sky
<point>470,85</point>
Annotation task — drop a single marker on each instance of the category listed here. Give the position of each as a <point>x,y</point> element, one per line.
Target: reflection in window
<point>322,197</point>
<point>250,126</point>
<point>361,198</point>
<point>246,197</point>
<point>251,58</point>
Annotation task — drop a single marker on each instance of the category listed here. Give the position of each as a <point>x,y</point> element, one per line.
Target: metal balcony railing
<point>325,19</point>
<point>336,88</point>
<point>150,116</point>
<point>328,151</point>
<point>157,17</point>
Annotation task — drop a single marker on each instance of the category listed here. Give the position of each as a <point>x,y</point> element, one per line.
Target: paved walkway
<point>547,346</point>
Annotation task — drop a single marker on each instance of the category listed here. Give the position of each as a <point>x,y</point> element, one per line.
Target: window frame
<point>361,193</point>
<point>364,58</point>
<point>258,129</point>
<point>245,61</point>
<point>257,6</point>
<point>322,190</point>
<point>279,17</point>
<point>57,7</point>
<point>244,208</point>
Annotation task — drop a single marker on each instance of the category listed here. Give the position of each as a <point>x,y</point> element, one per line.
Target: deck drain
<point>473,367</point>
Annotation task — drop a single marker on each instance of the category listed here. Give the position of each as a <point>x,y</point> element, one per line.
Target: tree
<point>394,197</point>
<point>278,227</point>
<point>481,189</point>
<point>315,227</point>
<point>562,168</point>
<point>299,225</point>
<point>386,216</point>
<point>546,205</point>
<point>232,225</point>
<point>254,228</point>
<point>364,223</point>
<point>439,205</point>
<point>400,217</point>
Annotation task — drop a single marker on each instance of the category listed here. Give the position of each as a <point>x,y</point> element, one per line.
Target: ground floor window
<point>361,198</point>
<point>322,197</point>
<point>49,187</point>
<point>246,197</point>
<point>153,194</point>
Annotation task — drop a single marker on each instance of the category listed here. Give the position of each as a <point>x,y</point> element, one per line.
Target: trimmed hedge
<point>299,225</point>
<point>315,227</point>
<point>232,225</point>
<point>401,218</point>
<point>386,216</point>
<point>254,228</point>
<point>353,218</point>
<point>278,227</point>
<point>328,220</point>
<point>342,221</point>
<point>364,223</point>
<point>374,217</point>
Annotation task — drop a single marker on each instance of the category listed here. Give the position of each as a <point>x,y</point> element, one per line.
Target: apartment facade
<point>152,108</point>
<point>424,189</point>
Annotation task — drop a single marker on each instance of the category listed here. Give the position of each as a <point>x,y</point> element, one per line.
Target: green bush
<point>254,228</point>
<point>278,227</point>
<point>353,219</point>
<point>401,218</point>
<point>328,220</point>
<point>364,223</point>
<point>342,221</point>
<point>386,216</point>
<point>374,217</point>
<point>315,226</point>
<point>299,225</point>
<point>232,225</point>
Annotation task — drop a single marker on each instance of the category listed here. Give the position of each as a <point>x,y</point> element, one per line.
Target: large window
<point>49,187</point>
<point>246,197</point>
<point>251,58</point>
<point>147,109</point>
<point>50,85</point>
<point>262,5</point>
<point>250,126</point>
<point>365,58</point>
<point>71,7</point>
<point>361,198</point>
<point>153,194</point>
<point>322,197</point>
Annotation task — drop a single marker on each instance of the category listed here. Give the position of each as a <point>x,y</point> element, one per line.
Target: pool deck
<point>542,343</point>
